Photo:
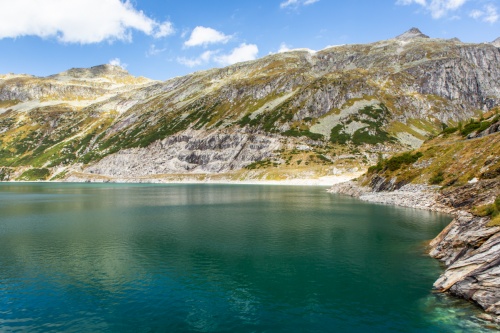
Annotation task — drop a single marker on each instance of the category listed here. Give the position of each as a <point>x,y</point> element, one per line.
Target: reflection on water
<point>210,258</point>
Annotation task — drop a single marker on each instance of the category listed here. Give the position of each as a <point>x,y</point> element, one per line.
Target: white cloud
<point>205,36</point>
<point>488,14</point>
<point>204,58</point>
<point>164,29</point>
<point>154,50</point>
<point>437,8</point>
<point>244,52</point>
<point>476,14</point>
<point>491,14</point>
<point>117,62</point>
<point>296,3</point>
<point>77,21</point>
<point>284,48</point>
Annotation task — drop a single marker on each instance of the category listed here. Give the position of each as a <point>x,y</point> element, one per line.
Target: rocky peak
<point>412,34</point>
<point>496,42</point>
<point>94,72</point>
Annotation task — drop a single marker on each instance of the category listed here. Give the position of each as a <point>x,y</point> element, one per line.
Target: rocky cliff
<point>470,247</point>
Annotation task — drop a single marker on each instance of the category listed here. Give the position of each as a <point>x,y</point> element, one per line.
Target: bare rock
<point>411,34</point>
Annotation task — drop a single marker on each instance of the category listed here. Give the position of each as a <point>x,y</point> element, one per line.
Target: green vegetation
<point>8,103</point>
<point>307,133</point>
<point>437,178</point>
<point>261,165</point>
<point>492,210</point>
<point>35,174</point>
<point>338,135</point>
<point>395,162</point>
<point>268,119</point>
<point>5,174</point>
<point>364,135</point>
<point>478,125</point>
<point>450,130</point>
<point>60,175</point>
<point>474,126</point>
<point>323,159</point>
<point>374,118</point>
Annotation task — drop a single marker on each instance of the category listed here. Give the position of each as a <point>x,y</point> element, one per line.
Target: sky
<point>161,39</point>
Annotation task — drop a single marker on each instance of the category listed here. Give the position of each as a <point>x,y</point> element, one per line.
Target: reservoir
<point>217,258</point>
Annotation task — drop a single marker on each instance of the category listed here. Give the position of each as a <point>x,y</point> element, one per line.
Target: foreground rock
<point>469,247</point>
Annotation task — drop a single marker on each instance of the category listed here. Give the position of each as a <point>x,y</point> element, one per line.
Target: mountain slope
<point>463,167</point>
<point>330,111</point>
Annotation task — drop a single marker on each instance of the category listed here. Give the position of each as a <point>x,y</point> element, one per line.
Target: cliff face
<point>193,151</point>
<point>304,110</point>
<point>470,247</point>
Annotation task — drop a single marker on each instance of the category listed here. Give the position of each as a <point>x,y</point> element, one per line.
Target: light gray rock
<point>193,151</point>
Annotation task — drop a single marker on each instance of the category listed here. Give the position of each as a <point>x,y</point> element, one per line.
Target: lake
<point>217,258</point>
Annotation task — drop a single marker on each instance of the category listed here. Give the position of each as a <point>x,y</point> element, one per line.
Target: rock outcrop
<point>190,152</point>
<point>470,248</point>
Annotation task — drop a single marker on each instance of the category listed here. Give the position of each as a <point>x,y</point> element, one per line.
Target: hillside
<point>457,172</point>
<point>287,115</point>
<point>456,157</point>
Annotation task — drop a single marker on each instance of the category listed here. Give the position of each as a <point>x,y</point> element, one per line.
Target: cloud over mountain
<point>77,21</point>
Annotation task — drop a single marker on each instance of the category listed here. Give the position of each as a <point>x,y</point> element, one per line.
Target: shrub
<point>363,135</point>
<point>395,162</point>
<point>260,164</point>
<point>376,168</point>
<point>492,210</point>
<point>35,174</point>
<point>450,130</point>
<point>307,133</point>
<point>437,178</point>
<point>470,127</point>
<point>338,136</point>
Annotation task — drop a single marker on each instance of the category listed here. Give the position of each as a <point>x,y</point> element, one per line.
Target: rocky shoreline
<point>468,246</point>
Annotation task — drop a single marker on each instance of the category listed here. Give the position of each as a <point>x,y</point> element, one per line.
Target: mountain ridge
<point>349,100</point>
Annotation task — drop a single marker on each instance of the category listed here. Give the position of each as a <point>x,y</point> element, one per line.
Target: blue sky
<point>161,39</point>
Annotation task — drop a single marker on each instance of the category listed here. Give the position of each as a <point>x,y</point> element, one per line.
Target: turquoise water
<point>214,258</point>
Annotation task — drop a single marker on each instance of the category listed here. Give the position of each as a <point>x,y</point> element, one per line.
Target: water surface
<point>214,258</point>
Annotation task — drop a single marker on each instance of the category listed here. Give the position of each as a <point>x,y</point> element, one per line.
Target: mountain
<point>411,34</point>
<point>297,114</point>
<point>496,42</point>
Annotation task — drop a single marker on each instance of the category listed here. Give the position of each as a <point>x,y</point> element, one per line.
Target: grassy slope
<point>448,159</point>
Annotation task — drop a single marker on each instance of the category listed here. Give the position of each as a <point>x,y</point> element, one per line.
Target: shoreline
<point>411,196</point>
<point>324,181</point>
<point>468,247</point>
